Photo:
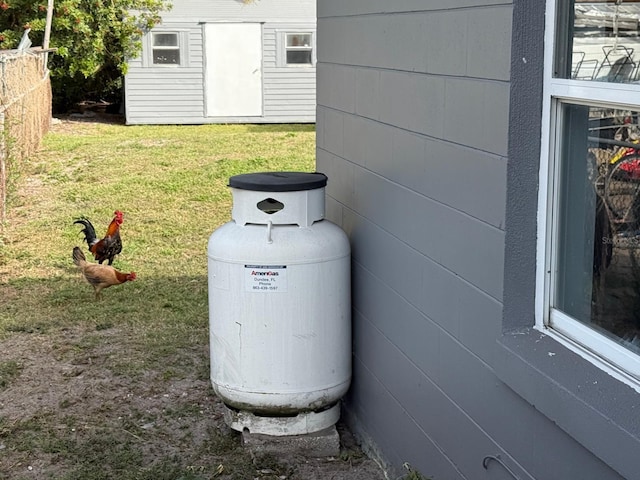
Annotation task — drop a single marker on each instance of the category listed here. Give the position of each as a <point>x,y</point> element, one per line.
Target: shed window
<point>166,48</point>
<point>590,179</point>
<point>299,49</point>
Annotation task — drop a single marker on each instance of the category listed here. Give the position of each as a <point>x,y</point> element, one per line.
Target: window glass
<point>299,40</point>
<point>169,57</point>
<point>599,41</point>
<point>590,174</point>
<point>598,264</point>
<point>299,56</point>
<point>165,40</point>
<point>166,49</point>
<point>298,49</point>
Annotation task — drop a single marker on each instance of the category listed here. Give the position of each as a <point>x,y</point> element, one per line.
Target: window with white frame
<point>589,215</point>
<point>165,48</point>
<point>298,49</point>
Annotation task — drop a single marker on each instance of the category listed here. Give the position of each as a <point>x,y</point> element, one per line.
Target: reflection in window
<point>299,49</point>
<point>602,40</point>
<point>598,266</point>
<point>166,49</point>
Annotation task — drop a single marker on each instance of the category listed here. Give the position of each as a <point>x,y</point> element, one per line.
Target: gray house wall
<point>176,95</point>
<point>428,127</point>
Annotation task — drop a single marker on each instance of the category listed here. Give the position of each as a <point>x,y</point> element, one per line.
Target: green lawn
<point>119,388</point>
<point>171,184</point>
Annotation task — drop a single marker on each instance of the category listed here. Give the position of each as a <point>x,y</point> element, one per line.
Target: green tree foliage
<point>93,40</point>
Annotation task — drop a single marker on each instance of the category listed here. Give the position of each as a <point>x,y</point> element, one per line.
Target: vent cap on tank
<point>278,198</point>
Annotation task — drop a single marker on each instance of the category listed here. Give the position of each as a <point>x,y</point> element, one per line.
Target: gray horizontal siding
<point>288,105</point>
<point>283,89</point>
<point>457,110</point>
<point>171,106</point>
<point>423,340</point>
<point>288,80</point>
<point>176,95</point>
<point>154,119</point>
<point>340,8</point>
<point>457,40</point>
<point>171,78</point>
<point>234,10</point>
<point>286,89</point>
<point>456,409</point>
<point>162,95</point>
<point>412,133</point>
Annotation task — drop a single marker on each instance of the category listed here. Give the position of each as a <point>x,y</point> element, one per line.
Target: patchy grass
<point>8,371</point>
<point>171,184</point>
<point>119,388</point>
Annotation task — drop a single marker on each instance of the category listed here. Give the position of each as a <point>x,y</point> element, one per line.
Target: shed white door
<point>233,77</point>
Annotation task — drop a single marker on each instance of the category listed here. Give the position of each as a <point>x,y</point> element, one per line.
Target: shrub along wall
<point>25,110</point>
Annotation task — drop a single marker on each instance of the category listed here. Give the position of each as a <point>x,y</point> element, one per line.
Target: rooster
<point>98,275</point>
<point>107,247</point>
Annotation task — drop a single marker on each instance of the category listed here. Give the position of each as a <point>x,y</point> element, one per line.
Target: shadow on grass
<point>38,305</point>
<point>156,324</point>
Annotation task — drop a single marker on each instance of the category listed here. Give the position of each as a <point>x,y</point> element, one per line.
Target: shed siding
<point>167,94</point>
<point>415,143</point>
<point>234,10</point>
<point>287,91</point>
<point>177,95</point>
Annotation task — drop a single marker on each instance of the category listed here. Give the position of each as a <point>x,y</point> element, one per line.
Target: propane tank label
<point>265,278</point>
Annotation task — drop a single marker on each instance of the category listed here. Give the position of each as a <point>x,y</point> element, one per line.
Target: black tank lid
<point>278,181</point>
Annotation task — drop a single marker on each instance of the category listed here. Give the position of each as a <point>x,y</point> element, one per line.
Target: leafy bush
<point>93,40</point>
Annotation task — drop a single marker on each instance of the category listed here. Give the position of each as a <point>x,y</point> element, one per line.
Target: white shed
<point>226,61</point>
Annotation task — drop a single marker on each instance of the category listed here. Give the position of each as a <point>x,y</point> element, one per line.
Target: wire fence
<point>25,110</point>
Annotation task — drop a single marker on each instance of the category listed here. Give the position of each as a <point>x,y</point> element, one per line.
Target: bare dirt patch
<point>84,397</point>
<point>74,411</point>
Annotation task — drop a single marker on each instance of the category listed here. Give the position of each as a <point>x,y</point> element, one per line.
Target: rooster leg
<point>98,294</point>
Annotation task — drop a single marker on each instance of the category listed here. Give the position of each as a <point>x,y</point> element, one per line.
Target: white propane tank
<point>280,306</point>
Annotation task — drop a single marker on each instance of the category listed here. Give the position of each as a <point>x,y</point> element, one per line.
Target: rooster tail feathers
<point>88,231</point>
<point>78,256</point>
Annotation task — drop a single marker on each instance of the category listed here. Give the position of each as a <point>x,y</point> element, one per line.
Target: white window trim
<point>282,48</point>
<point>183,37</point>
<point>606,354</point>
